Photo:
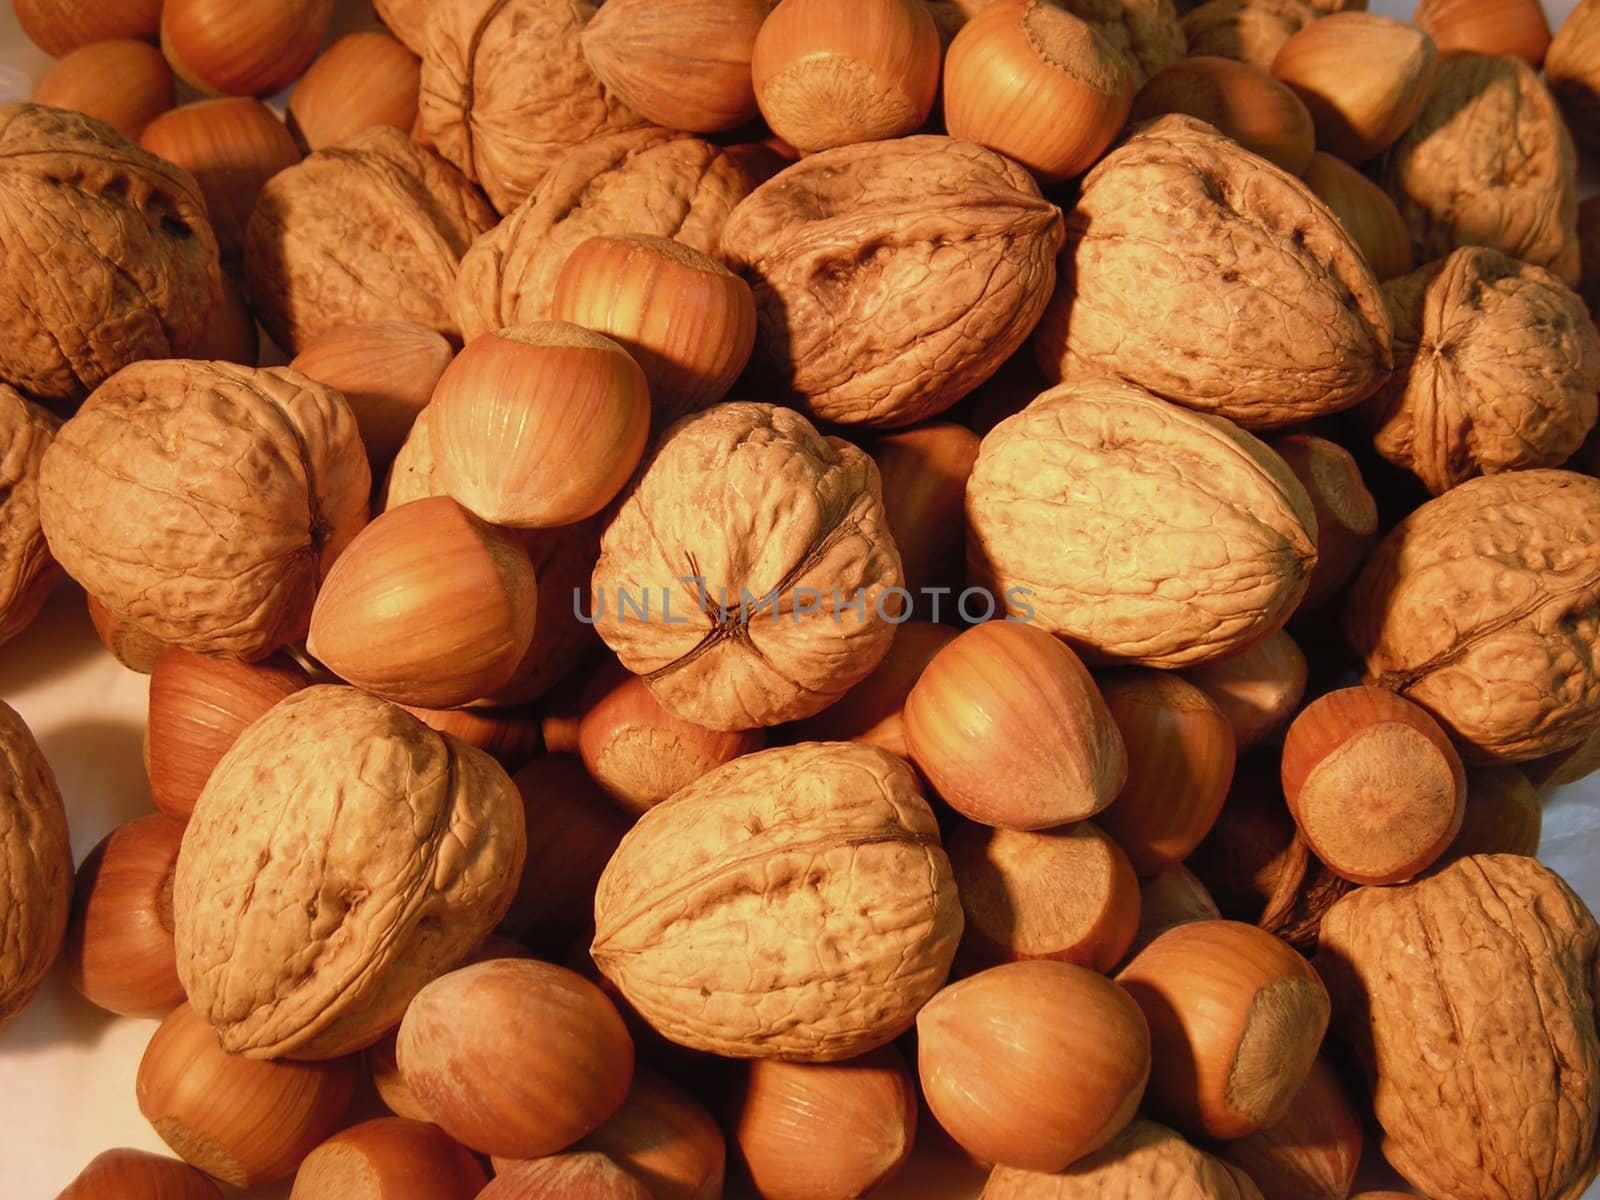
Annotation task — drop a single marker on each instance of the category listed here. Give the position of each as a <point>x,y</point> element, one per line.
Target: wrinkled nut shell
<point>1145,1160</point>
<point>27,572</point>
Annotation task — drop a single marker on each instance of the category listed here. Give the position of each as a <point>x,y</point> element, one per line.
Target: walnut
<point>1483,606</point>
<point>649,181</point>
<point>1251,31</point>
<point>1497,368</point>
<point>506,91</point>
<point>341,855</point>
<point>1145,1160</point>
<point>793,904</point>
<point>1138,531</point>
<point>1147,33</point>
<point>372,229</point>
<point>1216,280</point>
<point>108,258</point>
<point>27,572</point>
<point>892,278</point>
<point>1488,162</point>
<point>1469,998</point>
<point>204,502</point>
<point>35,865</point>
<point>749,574</point>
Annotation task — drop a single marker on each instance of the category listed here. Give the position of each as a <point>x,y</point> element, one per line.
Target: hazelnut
<point>924,474</point>
<point>1347,515</point>
<point>1366,212</point>
<point>1174,897</point>
<point>132,646</point>
<point>224,48</point>
<point>1573,70</point>
<point>58,27</point>
<point>139,1175</point>
<point>665,1139</point>
<point>587,1174</point>
<point>389,1158</point>
<point>232,336</point>
<point>1504,814</point>
<point>510,736</point>
<point>1486,27</point>
<point>1257,689</point>
<point>125,83</point>
<point>362,80</point>
<point>1244,102</point>
<point>1312,1151</point>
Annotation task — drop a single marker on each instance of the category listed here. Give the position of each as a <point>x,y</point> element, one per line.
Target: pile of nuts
<point>820,575</point>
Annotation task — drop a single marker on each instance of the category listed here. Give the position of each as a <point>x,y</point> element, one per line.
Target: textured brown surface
<point>1147,33</point>
<point>107,254</point>
<point>27,572</point>
<point>892,278</point>
<point>774,519</point>
<point>1469,998</point>
<point>1251,31</point>
<point>1497,365</point>
<point>794,904</point>
<point>1216,280</point>
<point>1142,532</point>
<point>372,229</point>
<point>1483,606</point>
<point>644,181</point>
<point>35,865</point>
<point>1488,162</point>
<point>1145,1162</point>
<point>204,502</point>
<point>341,856</point>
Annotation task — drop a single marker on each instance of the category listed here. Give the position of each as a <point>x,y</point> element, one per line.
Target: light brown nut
<point>1216,280</point>
<point>1090,503</point>
<point>644,181</point>
<point>341,856</point>
<point>1244,102</point>
<point>35,865</point>
<point>749,574</point>
<point>1147,33</point>
<point>1347,513</point>
<point>1366,210</point>
<point>793,904</point>
<point>1488,162</point>
<point>1572,65</point>
<point>506,91</point>
<point>205,502</point>
<point>369,230</point>
<point>1483,606</point>
<point>110,258</point>
<point>1497,365</point>
<point>1252,31</point>
<point>1313,1152</point>
<point>1469,999</point>
<point>406,19</point>
<point>1145,1160</point>
<point>891,278</point>
<point>27,572</point>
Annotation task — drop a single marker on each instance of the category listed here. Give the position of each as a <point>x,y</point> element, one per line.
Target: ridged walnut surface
<point>751,497</point>
<point>1483,606</point>
<point>1209,276</point>
<point>341,856</point>
<point>27,572</point>
<point>793,904</point>
<point>892,278</point>
<point>372,229</point>
<point>1139,531</point>
<point>205,501</point>
<point>35,865</point>
<point>1145,1162</point>
<point>107,254</point>
<point>645,181</point>
<point>1470,999</point>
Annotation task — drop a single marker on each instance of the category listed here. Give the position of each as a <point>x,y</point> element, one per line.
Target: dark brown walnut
<point>1497,366</point>
<point>1139,531</point>
<point>793,904</point>
<point>1488,162</point>
<point>1572,65</point>
<point>1251,31</point>
<point>27,572</point>
<point>1145,1161</point>
<point>1147,33</point>
<point>506,91</point>
<point>749,574</point>
<point>35,865</point>
<point>341,856</point>
<point>1212,278</point>
<point>645,181</point>
<point>1469,998</point>
<point>372,229</point>
<point>892,278</point>
<point>204,502</point>
<point>1483,606</point>
<point>108,256</point>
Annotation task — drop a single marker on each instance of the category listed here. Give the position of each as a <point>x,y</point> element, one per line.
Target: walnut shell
<point>1147,33</point>
<point>1469,998</point>
<point>647,181</point>
<point>793,904</point>
<point>109,260</point>
<point>372,229</point>
<point>729,577</point>
<point>27,572</point>
<point>204,502</point>
<point>1216,280</point>
<point>1488,162</point>
<point>892,278</point>
<point>1497,368</point>
<point>35,865</point>
<point>1483,606</point>
<point>506,91</point>
<point>1251,31</point>
<point>1145,1160</point>
<point>1088,508</point>
<point>341,855</point>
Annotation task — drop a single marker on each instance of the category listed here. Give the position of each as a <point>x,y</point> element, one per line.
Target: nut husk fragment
<point>27,572</point>
<point>35,865</point>
<point>794,904</point>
